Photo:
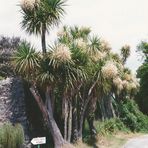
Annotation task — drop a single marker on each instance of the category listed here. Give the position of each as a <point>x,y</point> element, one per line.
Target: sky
<point>119,22</point>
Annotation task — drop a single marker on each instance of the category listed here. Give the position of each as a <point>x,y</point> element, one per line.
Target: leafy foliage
<point>26,60</point>
<point>132,117</point>
<point>142,97</point>
<point>143,48</point>
<point>110,126</point>
<point>11,136</point>
<point>142,73</point>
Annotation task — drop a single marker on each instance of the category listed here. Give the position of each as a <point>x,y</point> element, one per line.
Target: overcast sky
<point>117,21</point>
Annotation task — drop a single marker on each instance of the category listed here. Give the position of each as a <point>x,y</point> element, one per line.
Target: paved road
<point>139,142</point>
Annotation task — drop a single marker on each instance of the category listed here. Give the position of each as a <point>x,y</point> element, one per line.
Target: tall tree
<point>142,73</point>
<point>40,15</point>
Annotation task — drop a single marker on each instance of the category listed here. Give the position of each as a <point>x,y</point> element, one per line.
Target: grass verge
<point>111,141</point>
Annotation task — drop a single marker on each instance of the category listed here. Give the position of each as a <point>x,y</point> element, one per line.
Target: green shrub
<point>131,116</point>
<point>11,136</point>
<point>110,126</point>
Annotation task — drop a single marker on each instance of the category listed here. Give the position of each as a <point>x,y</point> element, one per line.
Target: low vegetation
<point>11,136</point>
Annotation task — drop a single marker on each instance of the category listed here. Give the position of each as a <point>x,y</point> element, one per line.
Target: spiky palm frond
<point>94,49</point>
<point>77,32</point>
<point>115,57</point>
<point>70,74</point>
<point>79,57</point>
<point>26,60</point>
<point>125,52</point>
<point>65,40</point>
<point>47,73</point>
<point>84,32</point>
<point>95,43</point>
<point>53,11</point>
<point>47,13</point>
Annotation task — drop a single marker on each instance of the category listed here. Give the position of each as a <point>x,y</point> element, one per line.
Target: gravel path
<point>139,142</point>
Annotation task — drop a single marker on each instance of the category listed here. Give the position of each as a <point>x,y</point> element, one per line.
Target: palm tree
<point>40,15</point>
<point>125,53</point>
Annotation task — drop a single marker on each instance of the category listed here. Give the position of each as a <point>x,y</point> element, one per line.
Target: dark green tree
<point>142,73</point>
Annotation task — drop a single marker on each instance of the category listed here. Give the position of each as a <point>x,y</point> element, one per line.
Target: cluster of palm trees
<point>74,74</point>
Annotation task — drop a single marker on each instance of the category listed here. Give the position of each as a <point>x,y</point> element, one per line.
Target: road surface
<point>139,142</point>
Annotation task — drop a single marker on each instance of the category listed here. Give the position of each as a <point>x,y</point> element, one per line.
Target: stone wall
<point>12,103</point>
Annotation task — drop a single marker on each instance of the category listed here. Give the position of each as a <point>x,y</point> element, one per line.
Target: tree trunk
<point>91,115</point>
<point>53,102</point>
<point>69,122</point>
<point>48,118</point>
<point>108,105</point>
<point>92,128</point>
<point>43,38</point>
<point>85,101</point>
<point>101,102</point>
<point>81,120</point>
<point>75,121</point>
<point>65,115</point>
<point>112,108</point>
<point>48,100</point>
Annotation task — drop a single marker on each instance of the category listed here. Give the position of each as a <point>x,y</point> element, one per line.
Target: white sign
<point>39,140</point>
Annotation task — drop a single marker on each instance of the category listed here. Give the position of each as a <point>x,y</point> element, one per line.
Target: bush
<point>11,136</point>
<point>131,116</point>
<point>110,126</point>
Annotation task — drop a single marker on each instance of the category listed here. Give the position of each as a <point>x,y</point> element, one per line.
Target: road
<point>139,142</point>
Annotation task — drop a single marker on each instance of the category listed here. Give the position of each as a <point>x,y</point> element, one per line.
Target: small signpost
<point>38,141</point>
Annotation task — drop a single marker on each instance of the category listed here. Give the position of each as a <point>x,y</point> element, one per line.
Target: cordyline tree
<point>142,73</point>
<point>40,15</point>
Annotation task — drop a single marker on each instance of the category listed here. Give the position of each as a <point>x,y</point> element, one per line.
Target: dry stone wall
<point>12,103</point>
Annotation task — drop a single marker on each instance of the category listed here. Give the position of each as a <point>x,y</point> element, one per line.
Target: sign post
<point>38,141</point>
